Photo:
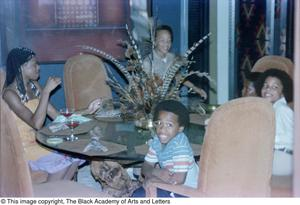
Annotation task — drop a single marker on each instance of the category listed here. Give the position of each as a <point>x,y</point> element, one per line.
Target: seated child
<point>249,83</point>
<point>276,86</point>
<point>170,158</point>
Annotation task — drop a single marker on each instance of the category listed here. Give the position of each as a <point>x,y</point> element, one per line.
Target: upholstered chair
<point>2,78</point>
<point>15,178</point>
<point>273,61</point>
<point>237,152</point>
<point>84,80</point>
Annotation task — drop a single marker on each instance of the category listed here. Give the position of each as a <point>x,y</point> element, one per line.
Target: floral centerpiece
<point>145,90</point>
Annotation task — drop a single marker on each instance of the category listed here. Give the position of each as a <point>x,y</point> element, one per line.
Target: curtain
<point>199,27</point>
<point>7,28</point>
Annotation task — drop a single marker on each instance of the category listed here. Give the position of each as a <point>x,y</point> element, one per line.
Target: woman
<point>30,102</point>
<point>277,87</point>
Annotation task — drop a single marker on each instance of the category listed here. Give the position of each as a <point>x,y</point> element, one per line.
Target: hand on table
<point>94,106</point>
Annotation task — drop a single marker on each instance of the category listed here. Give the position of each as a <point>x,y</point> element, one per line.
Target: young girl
<point>30,102</point>
<point>277,87</point>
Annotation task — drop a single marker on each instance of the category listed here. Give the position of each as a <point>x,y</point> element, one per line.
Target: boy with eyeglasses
<point>170,158</point>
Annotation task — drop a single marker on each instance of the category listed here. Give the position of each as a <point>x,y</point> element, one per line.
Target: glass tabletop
<point>123,140</point>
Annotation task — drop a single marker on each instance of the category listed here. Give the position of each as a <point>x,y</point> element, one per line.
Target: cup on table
<point>72,124</point>
<point>67,112</point>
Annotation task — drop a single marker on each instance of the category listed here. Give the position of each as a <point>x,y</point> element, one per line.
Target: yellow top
<point>32,149</point>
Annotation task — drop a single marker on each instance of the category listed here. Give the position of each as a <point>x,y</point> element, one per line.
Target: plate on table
<point>54,140</point>
<point>81,129</point>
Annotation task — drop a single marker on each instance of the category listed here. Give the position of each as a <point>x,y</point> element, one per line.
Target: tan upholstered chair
<point>237,153</point>
<point>15,180</point>
<point>273,61</point>
<point>2,78</point>
<point>84,80</point>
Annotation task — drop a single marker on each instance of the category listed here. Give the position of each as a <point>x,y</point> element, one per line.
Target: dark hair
<point>174,107</point>
<point>15,59</point>
<point>251,76</point>
<point>284,78</point>
<point>164,28</point>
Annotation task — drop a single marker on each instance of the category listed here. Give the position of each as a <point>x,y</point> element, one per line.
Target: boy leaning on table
<point>170,158</point>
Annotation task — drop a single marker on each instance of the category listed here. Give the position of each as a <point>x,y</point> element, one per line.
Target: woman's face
<point>167,126</point>
<point>163,42</point>
<point>31,69</point>
<point>272,89</point>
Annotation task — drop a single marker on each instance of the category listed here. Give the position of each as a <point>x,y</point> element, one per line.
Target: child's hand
<point>164,175</point>
<point>52,83</point>
<point>94,106</point>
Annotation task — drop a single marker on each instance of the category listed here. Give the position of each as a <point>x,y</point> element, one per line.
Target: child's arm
<point>157,174</point>
<point>147,169</point>
<point>169,177</point>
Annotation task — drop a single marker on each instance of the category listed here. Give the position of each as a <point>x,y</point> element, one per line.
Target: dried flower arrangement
<point>145,90</point>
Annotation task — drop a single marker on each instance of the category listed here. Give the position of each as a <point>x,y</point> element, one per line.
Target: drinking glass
<point>67,112</point>
<point>72,124</point>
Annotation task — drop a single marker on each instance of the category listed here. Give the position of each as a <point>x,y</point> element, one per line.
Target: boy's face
<point>163,42</point>
<point>272,89</point>
<point>167,126</point>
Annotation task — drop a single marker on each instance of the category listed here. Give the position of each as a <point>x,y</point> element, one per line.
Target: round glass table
<point>117,140</point>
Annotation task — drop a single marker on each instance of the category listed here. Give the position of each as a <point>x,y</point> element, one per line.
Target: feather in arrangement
<point>145,90</point>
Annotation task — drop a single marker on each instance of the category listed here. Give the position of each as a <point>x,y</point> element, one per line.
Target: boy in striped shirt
<point>170,157</point>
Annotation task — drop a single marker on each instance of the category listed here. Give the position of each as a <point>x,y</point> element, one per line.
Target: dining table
<point>110,138</point>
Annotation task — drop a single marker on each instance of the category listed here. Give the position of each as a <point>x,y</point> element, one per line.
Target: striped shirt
<point>176,156</point>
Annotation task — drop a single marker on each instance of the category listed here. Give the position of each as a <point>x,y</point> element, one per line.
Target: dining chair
<point>15,178</point>
<point>85,80</point>
<point>237,152</point>
<point>2,78</point>
<point>274,61</point>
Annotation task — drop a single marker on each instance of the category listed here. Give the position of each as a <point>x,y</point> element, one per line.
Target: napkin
<point>53,163</point>
<point>76,117</point>
<point>59,122</point>
<point>95,144</point>
<point>57,126</point>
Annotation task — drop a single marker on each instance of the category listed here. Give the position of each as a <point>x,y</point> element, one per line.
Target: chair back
<point>273,61</point>
<point>84,80</point>
<point>15,178</point>
<point>2,78</point>
<point>237,152</point>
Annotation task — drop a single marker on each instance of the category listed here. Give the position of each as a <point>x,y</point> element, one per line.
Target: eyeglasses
<point>161,124</point>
